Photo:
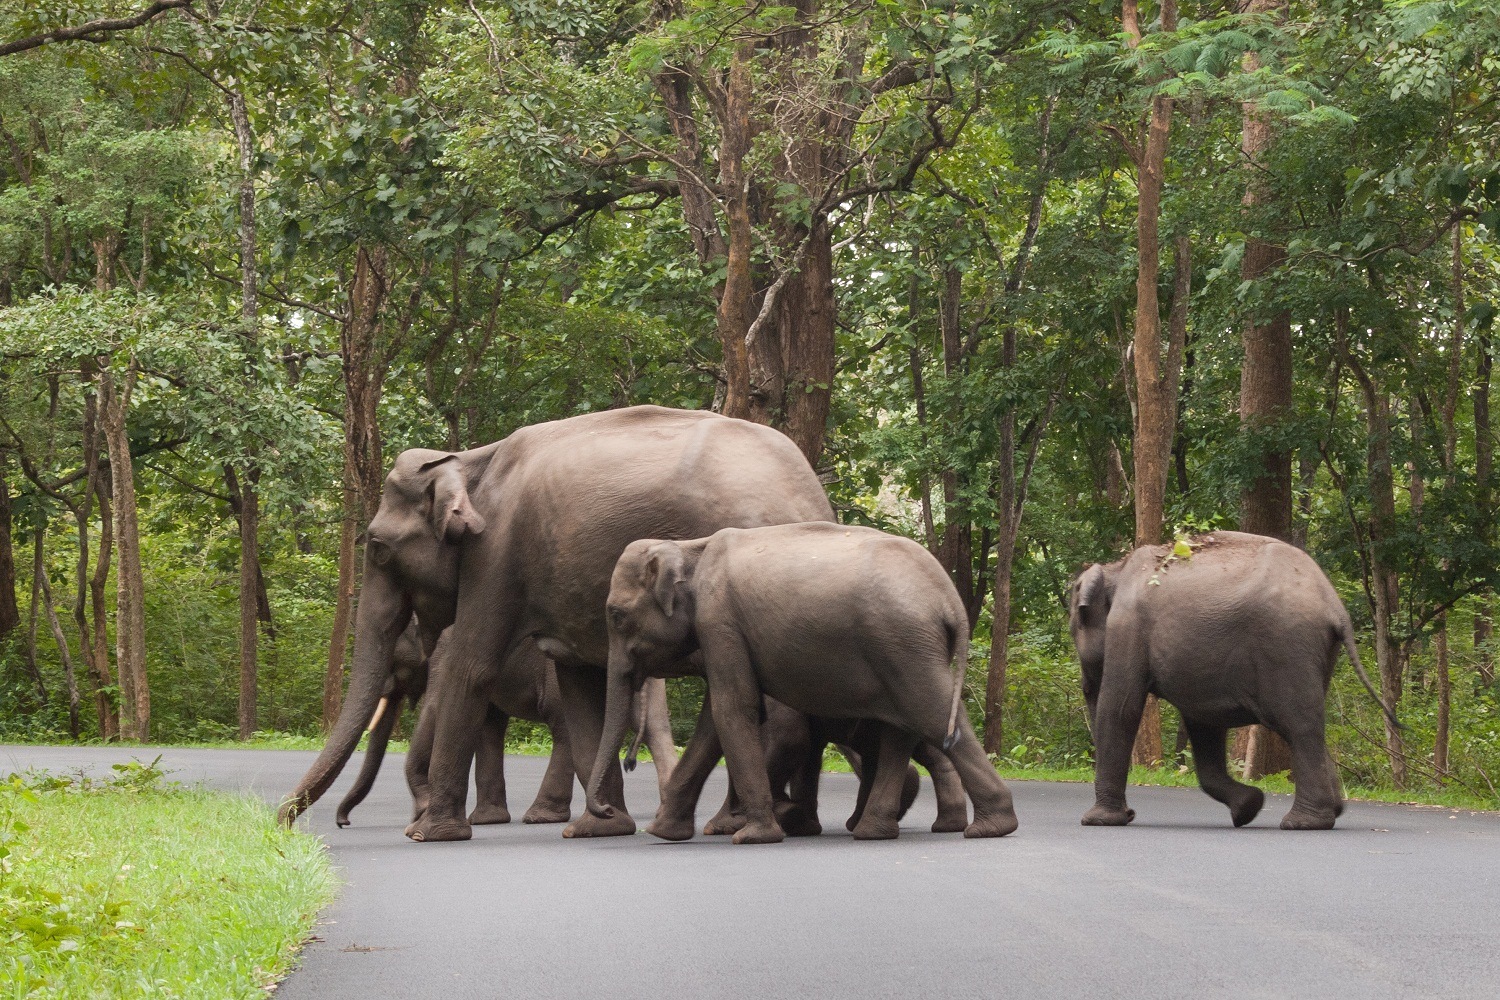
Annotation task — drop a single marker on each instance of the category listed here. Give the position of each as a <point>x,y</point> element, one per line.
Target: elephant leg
<point>674,817</point>
<point>863,765</point>
<point>583,694</point>
<point>881,817</point>
<point>1244,801</point>
<point>1122,701</point>
<point>736,714</point>
<point>554,800</point>
<point>458,712</point>
<point>953,807</point>
<point>1319,799</point>
<point>994,811</point>
<point>489,771</point>
<point>419,757</point>
<point>380,736</point>
<point>798,811</point>
<point>658,734</point>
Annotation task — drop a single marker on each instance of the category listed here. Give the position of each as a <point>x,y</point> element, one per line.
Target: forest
<point>1033,282</point>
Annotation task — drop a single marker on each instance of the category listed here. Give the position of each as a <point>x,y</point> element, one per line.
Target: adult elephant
<point>528,530</point>
<point>1237,629</point>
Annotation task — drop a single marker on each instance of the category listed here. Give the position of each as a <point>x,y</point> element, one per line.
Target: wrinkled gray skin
<point>832,620</point>
<point>793,745</point>
<point>1246,630</point>
<point>520,537</point>
<point>536,702</point>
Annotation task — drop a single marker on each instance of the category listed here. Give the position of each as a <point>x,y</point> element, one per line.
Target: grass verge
<point>132,887</point>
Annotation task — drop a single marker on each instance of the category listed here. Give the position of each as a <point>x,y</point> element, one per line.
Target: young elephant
<point>1246,629</point>
<point>832,620</point>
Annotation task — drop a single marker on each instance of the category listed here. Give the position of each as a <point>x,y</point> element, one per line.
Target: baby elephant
<point>834,621</point>
<point>1244,629</point>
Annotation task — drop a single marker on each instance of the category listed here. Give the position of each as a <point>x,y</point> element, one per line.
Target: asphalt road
<point>1396,902</point>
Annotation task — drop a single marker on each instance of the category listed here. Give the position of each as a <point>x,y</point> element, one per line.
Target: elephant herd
<point>559,575</point>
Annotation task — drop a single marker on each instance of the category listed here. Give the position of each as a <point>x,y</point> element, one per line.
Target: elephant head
<point>1088,613</point>
<point>411,564</point>
<point>649,616</point>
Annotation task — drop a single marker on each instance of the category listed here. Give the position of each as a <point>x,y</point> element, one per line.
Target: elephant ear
<point>665,568</point>
<point>1093,589</point>
<point>452,514</point>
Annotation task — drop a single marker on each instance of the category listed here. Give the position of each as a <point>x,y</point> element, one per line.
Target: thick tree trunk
<point>999,664</point>
<point>806,323</point>
<point>363,453</point>
<point>130,613</point>
<point>737,309</point>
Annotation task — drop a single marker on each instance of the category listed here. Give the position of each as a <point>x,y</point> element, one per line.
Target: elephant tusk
<point>379,711</point>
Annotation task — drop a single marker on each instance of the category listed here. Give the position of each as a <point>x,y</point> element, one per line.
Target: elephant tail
<point>958,650</point>
<point>1346,633</point>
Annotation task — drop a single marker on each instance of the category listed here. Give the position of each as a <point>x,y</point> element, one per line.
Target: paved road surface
<point>1397,902</point>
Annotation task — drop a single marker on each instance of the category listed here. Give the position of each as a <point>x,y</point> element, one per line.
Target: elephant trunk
<point>616,718</point>
<point>386,714</point>
<point>384,611</point>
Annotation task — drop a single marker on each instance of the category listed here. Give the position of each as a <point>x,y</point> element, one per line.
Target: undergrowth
<point>132,886</point>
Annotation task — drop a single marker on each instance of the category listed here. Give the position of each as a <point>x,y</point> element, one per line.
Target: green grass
<point>130,888</point>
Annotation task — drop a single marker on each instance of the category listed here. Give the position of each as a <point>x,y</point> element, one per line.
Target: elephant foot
<point>723,823</point>
<point>1107,816</point>
<point>548,812</point>
<point>1248,807</point>
<point>426,830</point>
<point>796,821</point>
<point>621,824</point>
<point>1308,819</point>
<point>998,824</point>
<point>876,828</point>
<point>951,823</point>
<point>760,833</point>
<point>489,814</point>
<point>669,828</point>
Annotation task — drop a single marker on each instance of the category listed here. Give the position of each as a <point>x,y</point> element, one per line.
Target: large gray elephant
<point>1244,629</point>
<point>522,535</point>
<point>831,620</point>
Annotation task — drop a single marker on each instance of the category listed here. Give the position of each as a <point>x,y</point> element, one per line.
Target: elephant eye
<point>616,617</point>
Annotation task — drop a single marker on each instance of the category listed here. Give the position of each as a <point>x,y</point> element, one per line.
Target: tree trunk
<point>1484,460</point>
<point>10,611</point>
<point>995,676</point>
<point>1388,650</point>
<point>130,613</point>
<point>70,678</point>
<point>1445,700</point>
<point>1265,385</point>
<point>38,573</point>
<point>249,502</point>
<point>737,311</point>
<point>363,454</point>
<point>99,672</point>
<point>806,323</point>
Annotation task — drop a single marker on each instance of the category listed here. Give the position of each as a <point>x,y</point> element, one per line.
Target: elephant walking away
<point>519,538</point>
<point>1246,629</point>
<point>832,620</point>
